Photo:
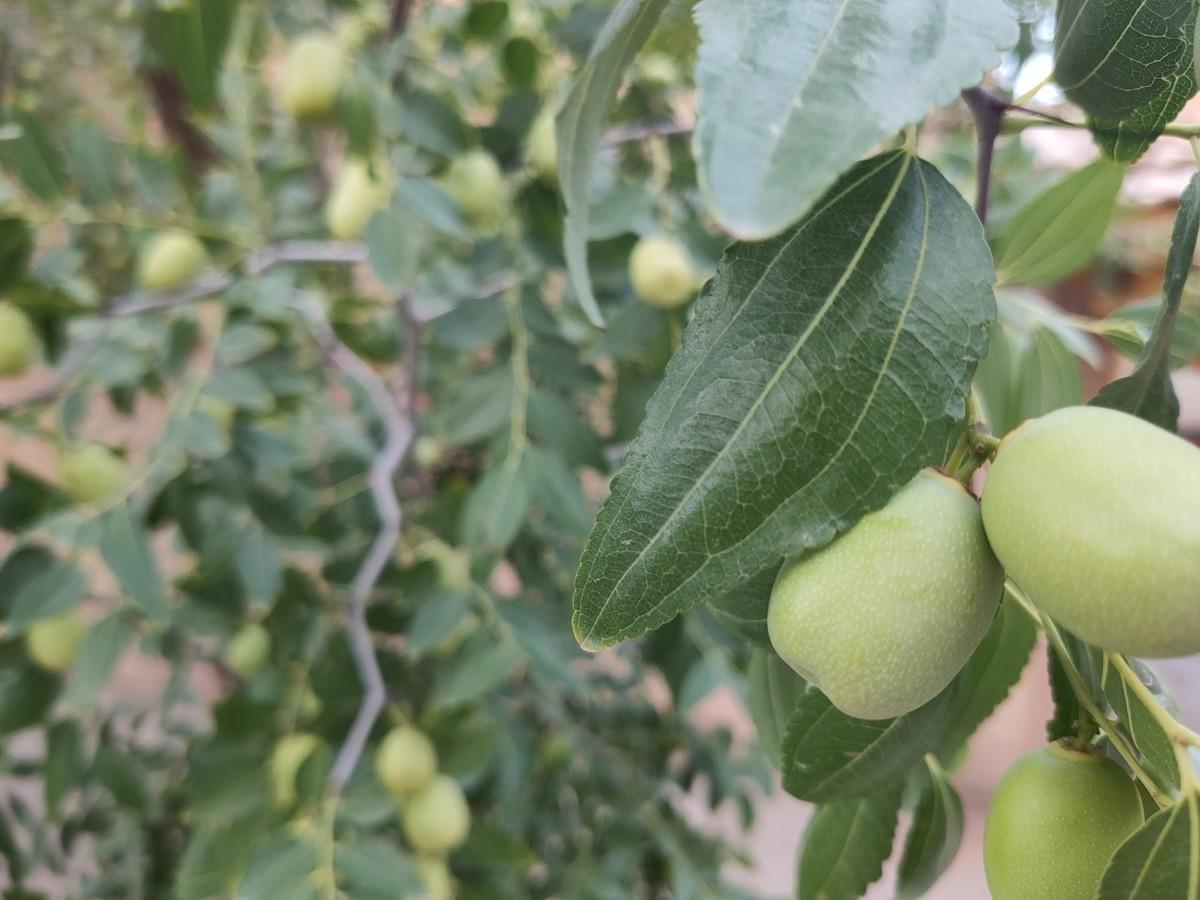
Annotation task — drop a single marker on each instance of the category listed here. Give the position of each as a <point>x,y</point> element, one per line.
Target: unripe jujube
<point>661,271</point>
<point>406,760</point>
<point>357,195</point>
<point>884,617</point>
<point>1093,513</point>
<point>543,147</point>
<point>436,878</point>
<point>248,650</point>
<point>170,260</point>
<point>476,183</point>
<point>54,643</point>
<point>312,76</point>
<point>287,759</point>
<point>92,474</point>
<point>437,818</point>
<point>1055,820</point>
<point>18,341</point>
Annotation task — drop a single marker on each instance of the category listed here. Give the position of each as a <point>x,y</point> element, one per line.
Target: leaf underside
<point>822,370</point>
<point>790,95</point>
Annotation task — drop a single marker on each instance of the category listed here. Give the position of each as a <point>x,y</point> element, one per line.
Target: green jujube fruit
<point>476,183</point>
<point>437,818</point>
<point>248,650</point>
<point>357,195</point>
<point>18,341</point>
<point>405,761</point>
<point>313,75</point>
<point>660,270</point>
<point>1093,512</point>
<point>1056,818</point>
<point>884,617</point>
<point>54,643</point>
<point>92,474</point>
<point>170,260</point>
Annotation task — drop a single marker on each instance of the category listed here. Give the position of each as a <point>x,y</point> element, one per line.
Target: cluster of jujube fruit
<point>1092,513</point>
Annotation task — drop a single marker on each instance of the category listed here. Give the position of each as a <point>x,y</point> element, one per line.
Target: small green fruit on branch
<point>883,618</point>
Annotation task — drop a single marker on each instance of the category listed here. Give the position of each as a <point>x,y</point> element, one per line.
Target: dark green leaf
<point>49,592</point>
<point>830,79</point>
<point>934,837</point>
<point>391,249</point>
<point>845,846</point>
<point>555,487</point>
<point>1128,64</point>
<point>498,504</point>
<point>124,546</point>
<point>1060,229</point>
<point>822,370</point>
<point>64,762</point>
<point>16,247</point>
<point>1148,391</point>
<point>98,657</point>
<point>190,40</point>
<point>25,498</point>
<point>479,667</point>
<point>744,609</point>
<point>828,755</point>
<point>26,695</point>
<point>93,159</point>
<point>1159,861</point>
<point>281,868</point>
<point>993,669</point>
<point>374,867</point>
<point>773,692</point>
<point>123,776</point>
<point>434,621</point>
<point>29,153</point>
<point>581,124</point>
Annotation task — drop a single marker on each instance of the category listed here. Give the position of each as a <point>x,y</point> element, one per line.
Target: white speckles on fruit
<point>884,617</point>
<point>660,269</point>
<point>1055,820</point>
<point>1094,513</point>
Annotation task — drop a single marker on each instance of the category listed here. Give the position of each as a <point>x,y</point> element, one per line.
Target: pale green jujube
<point>1096,515</point>
<point>883,618</point>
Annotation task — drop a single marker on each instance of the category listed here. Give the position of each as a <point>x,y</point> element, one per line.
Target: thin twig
<point>988,111</point>
<point>206,285</point>
<point>399,430</point>
<point>627,134</point>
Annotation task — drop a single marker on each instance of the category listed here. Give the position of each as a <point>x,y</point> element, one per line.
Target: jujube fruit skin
<point>356,196</point>
<point>54,643</point>
<point>18,341</point>
<point>248,650</point>
<point>476,183</point>
<point>437,818</point>
<point>1056,818</point>
<point>92,474</point>
<point>170,260</point>
<point>661,272</point>
<point>1096,515</point>
<point>883,617</point>
<point>406,760</point>
<point>313,74</point>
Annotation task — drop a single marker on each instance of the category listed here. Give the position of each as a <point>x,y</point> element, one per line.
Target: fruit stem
<point>1086,700</point>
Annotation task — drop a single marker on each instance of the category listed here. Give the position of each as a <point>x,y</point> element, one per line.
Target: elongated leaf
<point>794,93</point>
<point>934,838</point>
<point>497,505</point>
<point>99,655</point>
<point>773,692</point>
<point>190,40</point>
<point>744,609</point>
<point>1139,722</point>
<point>993,669</point>
<point>28,152</point>
<point>50,592</point>
<point>828,755</point>
<point>1159,861</point>
<point>1148,391</point>
<point>1059,231</point>
<point>821,371</point>
<point>124,547</point>
<point>64,762</point>
<point>1128,64</point>
<point>581,124</point>
<point>845,846</point>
